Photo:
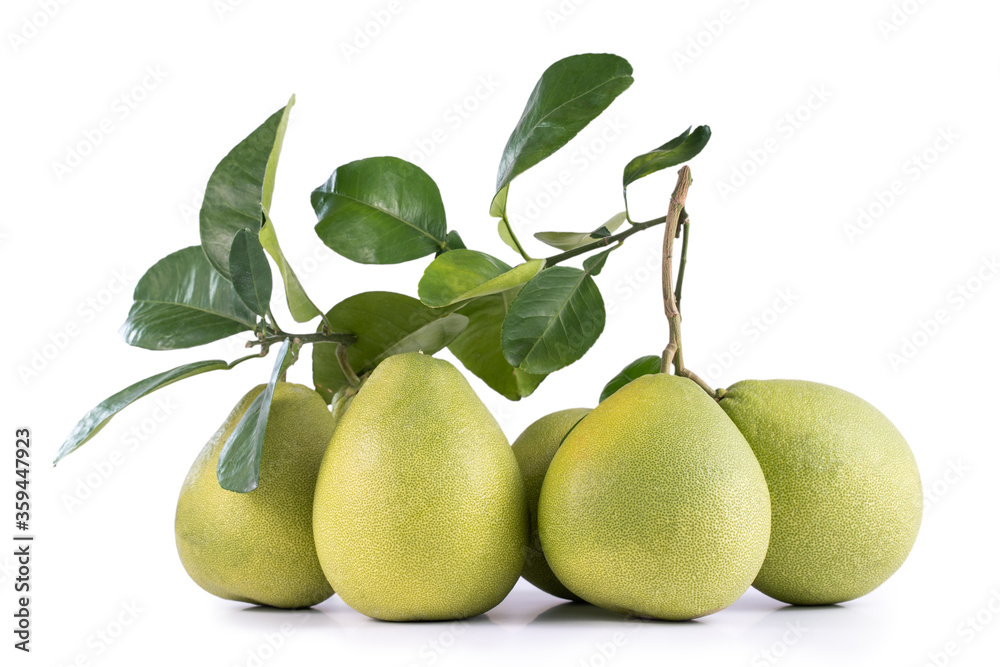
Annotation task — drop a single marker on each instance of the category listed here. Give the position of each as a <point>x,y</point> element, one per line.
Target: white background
<point>887,93</point>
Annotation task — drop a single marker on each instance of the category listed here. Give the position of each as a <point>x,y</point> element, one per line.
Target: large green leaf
<point>239,190</point>
<point>678,150</point>
<point>239,461</point>
<point>572,240</point>
<point>250,272</point>
<point>299,304</point>
<point>183,302</point>
<point>100,415</point>
<point>641,366</point>
<point>461,275</point>
<point>380,210</point>
<point>479,350</point>
<point>553,321</point>
<point>385,323</point>
<point>571,93</point>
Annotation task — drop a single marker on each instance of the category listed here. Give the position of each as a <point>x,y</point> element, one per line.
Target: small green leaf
<point>573,240</point>
<point>181,301</point>
<point>678,150</point>
<point>453,242</point>
<point>100,415</point>
<point>636,369</point>
<point>239,461</point>
<point>461,275</point>
<point>385,323</point>
<point>299,304</point>
<point>595,263</point>
<point>239,190</point>
<point>553,321</point>
<point>380,210</point>
<point>506,234</point>
<point>570,93</point>
<point>250,272</point>
<point>479,350</point>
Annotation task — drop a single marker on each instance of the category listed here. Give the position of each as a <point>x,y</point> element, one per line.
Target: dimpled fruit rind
<point>534,450</point>
<point>420,511</point>
<point>258,547</point>
<point>846,496</point>
<point>654,505</point>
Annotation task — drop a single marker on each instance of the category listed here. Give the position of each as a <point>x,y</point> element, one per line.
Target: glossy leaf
<point>570,93</point>
<point>250,272</point>
<point>181,301</point>
<point>453,242</point>
<point>678,150</point>
<point>461,275</point>
<point>636,369</point>
<point>479,349</point>
<point>99,416</point>
<point>385,323</point>
<point>553,321</point>
<point>239,461</point>
<point>572,240</point>
<point>380,210</point>
<point>239,190</point>
<point>299,304</point>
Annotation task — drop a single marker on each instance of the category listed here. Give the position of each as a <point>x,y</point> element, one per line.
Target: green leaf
<point>299,304</point>
<point>99,416</point>
<point>453,242</point>
<point>183,302</point>
<point>572,240</point>
<point>678,150</point>
<point>239,461</point>
<point>553,321</point>
<point>571,93</point>
<point>239,190</point>
<point>595,263</point>
<point>636,369</point>
<point>479,350</point>
<point>385,323</point>
<point>461,275</point>
<point>380,210</point>
<point>250,272</point>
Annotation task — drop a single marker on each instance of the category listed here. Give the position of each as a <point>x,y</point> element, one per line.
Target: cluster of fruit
<point>662,502</point>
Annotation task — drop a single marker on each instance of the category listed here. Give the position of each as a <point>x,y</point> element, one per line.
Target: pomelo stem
<point>673,354</point>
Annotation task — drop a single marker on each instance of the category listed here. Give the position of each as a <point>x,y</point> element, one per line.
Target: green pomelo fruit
<point>846,498</point>
<point>534,450</point>
<point>258,547</point>
<point>420,512</point>
<point>654,505</point>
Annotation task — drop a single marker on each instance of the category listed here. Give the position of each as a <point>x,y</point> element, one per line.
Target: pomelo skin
<point>534,450</point>
<point>654,505</point>
<point>846,498</point>
<point>258,547</point>
<point>420,512</point>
